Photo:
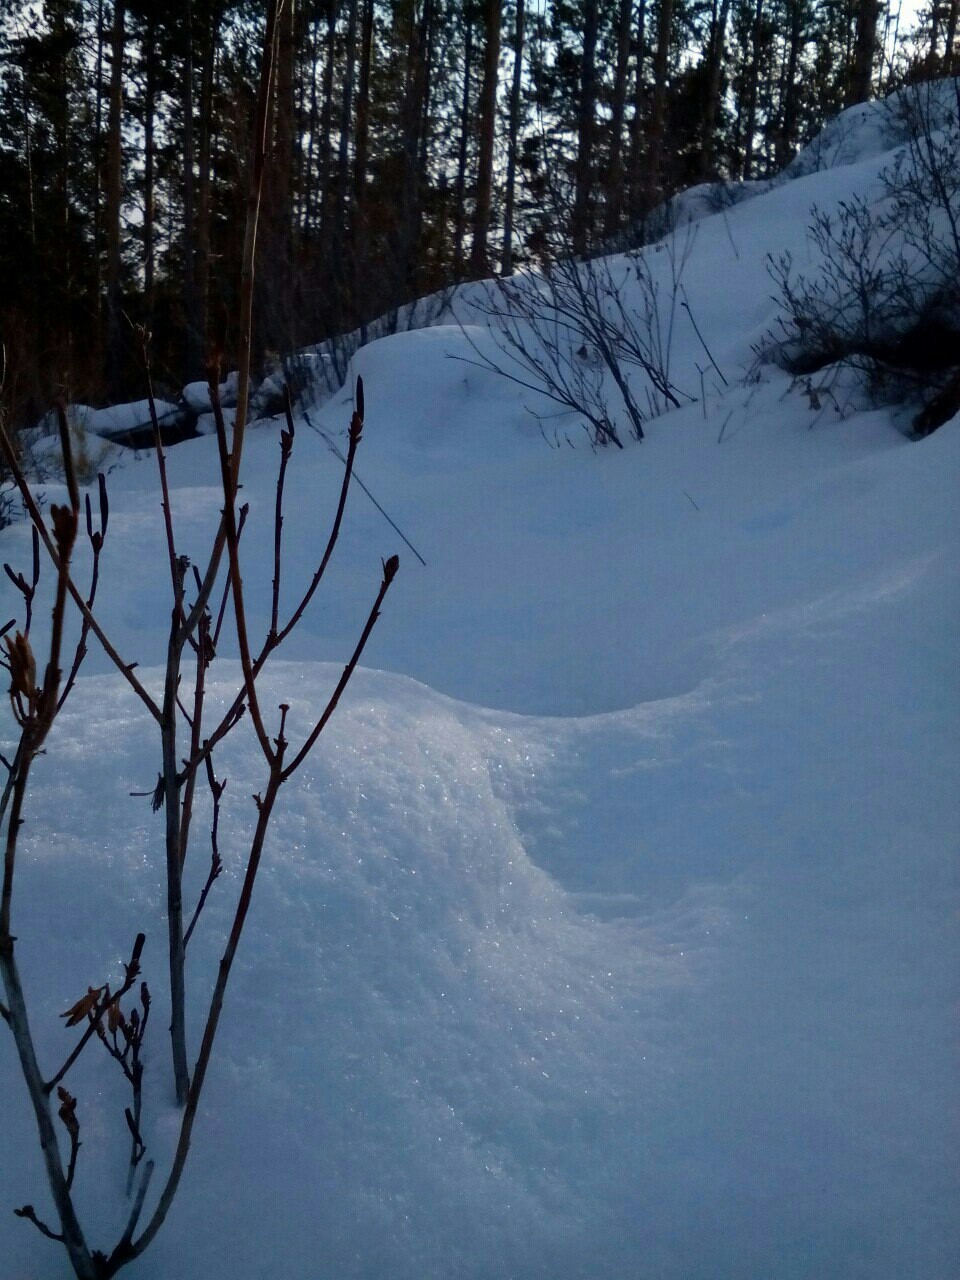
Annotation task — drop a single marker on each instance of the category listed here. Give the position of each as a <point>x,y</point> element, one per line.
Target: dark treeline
<point>414,143</point>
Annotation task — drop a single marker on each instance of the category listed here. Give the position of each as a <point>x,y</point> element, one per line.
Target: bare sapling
<point>116,1015</point>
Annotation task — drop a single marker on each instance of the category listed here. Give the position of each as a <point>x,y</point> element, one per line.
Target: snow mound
<point>197,394</point>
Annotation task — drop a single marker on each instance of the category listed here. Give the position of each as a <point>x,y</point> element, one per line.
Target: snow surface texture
<point>610,931</point>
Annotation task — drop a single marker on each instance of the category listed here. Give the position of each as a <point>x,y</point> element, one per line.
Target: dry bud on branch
<point>85,1005</point>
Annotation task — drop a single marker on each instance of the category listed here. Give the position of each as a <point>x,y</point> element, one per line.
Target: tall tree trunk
<point>326,116</point>
<point>427,44</point>
<point>311,124</point>
<point>346,116</point>
<point>658,111</point>
<point>711,111</point>
<point>362,125</point>
<point>935,14</point>
<point>343,276</point>
<point>787,135</point>
<point>618,114</point>
<point>753,93</point>
<point>479,253</point>
<point>952,20</point>
<point>205,161</point>
<point>191,311</point>
<point>864,51</point>
<point>360,254</point>
<point>637,122</point>
<point>463,151</point>
<point>586,119</point>
<point>506,265</point>
<point>413,118</point>
<point>149,56</point>
<point>276,275</point>
<point>114,201</point>
<point>97,168</point>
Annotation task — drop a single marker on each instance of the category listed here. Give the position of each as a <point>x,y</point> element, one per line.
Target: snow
<point>206,424</point>
<point>197,394</point>
<point>121,418</point>
<point>611,929</point>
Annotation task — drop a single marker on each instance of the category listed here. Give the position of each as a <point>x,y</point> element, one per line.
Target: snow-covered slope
<point>611,930</point>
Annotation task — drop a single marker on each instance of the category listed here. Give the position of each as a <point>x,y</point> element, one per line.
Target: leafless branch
<point>29,1213</point>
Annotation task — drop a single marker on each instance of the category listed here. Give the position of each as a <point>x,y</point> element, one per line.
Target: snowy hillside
<point>610,933</point>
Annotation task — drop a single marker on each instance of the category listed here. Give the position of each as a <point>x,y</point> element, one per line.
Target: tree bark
<point>637,122</point>
<point>711,113</point>
<point>192,321</point>
<point>326,115</point>
<point>479,253</point>
<point>205,163</point>
<point>618,114</point>
<point>658,112</point>
<point>952,19</point>
<point>787,137</point>
<point>460,227</point>
<point>586,121</point>
<point>864,52</point>
<point>506,265</point>
<point>753,93</point>
<point>149,168</point>
<point>114,201</point>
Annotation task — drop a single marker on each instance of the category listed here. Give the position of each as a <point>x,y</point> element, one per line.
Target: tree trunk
<point>787,137</point>
<point>362,126</point>
<point>326,115</point>
<point>114,201</point>
<point>952,19</point>
<point>346,118</point>
<point>149,168</point>
<point>636,124</point>
<point>718,36</point>
<point>615,165</point>
<point>463,150</point>
<point>506,265</point>
<point>479,254</point>
<point>586,118</point>
<point>753,93</point>
<point>191,311</point>
<point>97,169</point>
<point>274,312</point>
<point>208,76</point>
<point>864,52</point>
<point>658,112</point>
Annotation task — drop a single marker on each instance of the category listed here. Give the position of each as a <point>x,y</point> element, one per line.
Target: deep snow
<point>611,930</point>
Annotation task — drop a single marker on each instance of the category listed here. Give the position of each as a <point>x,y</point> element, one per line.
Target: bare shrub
<point>885,299</point>
<point>568,329</point>
<point>117,1014</point>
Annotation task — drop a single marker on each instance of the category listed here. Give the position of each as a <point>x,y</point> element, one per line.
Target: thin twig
<point>132,972</point>
<point>686,306</point>
<point>390,568</point>
<point>176,578</point>
<point>333,448</point>
<point>356,430</point>
<point>230,521</point>
<point>29,1213</point>
<point>216,865</point>
<point>286,448</point>
<point>137,1208</point>
<point>125,668</point>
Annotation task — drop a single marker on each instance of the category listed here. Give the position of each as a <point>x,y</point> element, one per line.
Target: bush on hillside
<point>886,297</point>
